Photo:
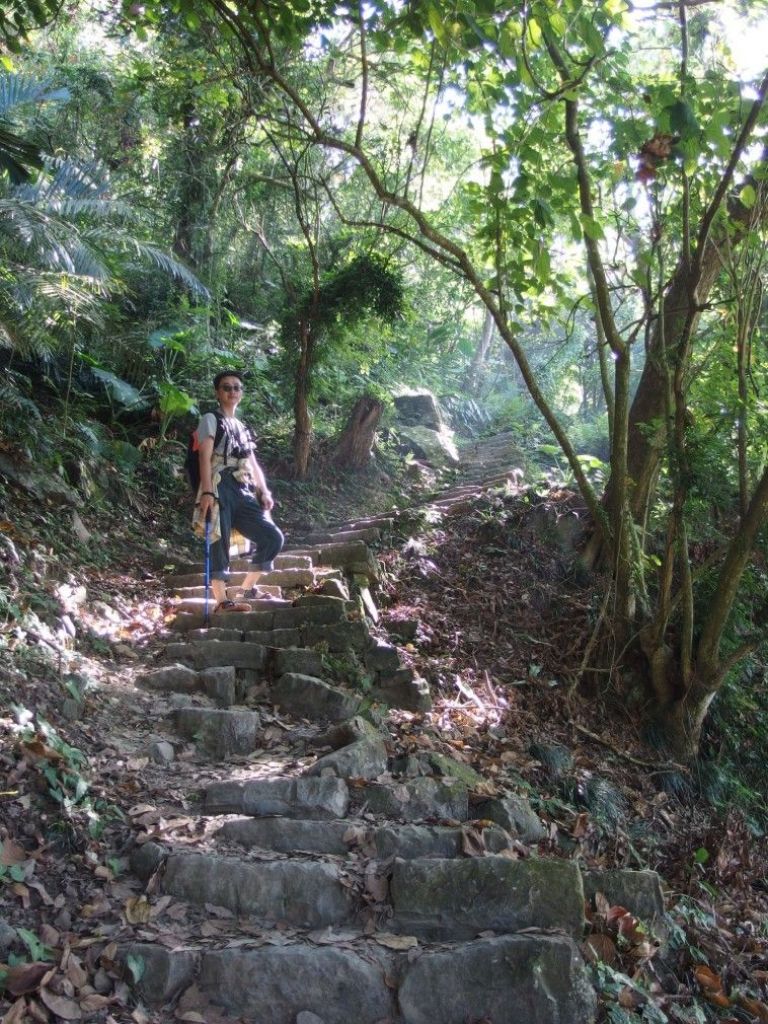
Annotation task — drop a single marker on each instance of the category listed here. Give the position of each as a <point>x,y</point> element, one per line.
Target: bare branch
<point>364,77</point>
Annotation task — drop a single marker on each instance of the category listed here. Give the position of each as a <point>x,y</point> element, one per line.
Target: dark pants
<point>239,508</point>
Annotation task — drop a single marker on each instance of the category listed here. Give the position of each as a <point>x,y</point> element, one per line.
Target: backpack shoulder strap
<point>249,434</point>
<point>220,428</point>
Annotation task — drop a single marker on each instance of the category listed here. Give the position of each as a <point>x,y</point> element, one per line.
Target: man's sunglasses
<point>230,387</point>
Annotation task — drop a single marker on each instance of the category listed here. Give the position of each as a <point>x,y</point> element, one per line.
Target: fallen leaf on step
<point>17,1013</point>
<point>42,893</point>
<point>93,1001</point>
<point>75,972</point>
<point>706,979</point>
<point>215,911</point>
<point>472,842</point>
<point>22,892</point>
<point>396,941</point>
<point>11,853</point>
<point>61,1005</point>
<point>25,978</point>
<point>376,886</point>
<point>599,947</point>
<point>137,910</point>
<point>753,1006</point>
<point>630,999</point>
<point>159,907</point>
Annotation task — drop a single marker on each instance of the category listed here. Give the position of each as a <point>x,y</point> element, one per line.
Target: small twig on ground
<point>655,765</point>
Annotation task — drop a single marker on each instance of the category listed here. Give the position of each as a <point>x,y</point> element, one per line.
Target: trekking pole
<point>207,570</point>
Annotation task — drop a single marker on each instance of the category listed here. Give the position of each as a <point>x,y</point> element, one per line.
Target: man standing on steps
<point>234,490</point>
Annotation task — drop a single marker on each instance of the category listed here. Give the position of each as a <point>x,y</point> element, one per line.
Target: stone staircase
<point>486,464</point>
<point>348,885</point>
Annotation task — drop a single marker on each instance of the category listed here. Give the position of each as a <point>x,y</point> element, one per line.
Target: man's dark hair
<point>226,373</point>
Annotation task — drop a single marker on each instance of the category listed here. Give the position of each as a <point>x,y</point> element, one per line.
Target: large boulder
<point>419,408</point>
<point>514,814</point>
<point>364,759</point>
<point>435,447</point>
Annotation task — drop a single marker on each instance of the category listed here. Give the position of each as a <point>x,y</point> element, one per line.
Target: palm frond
<point>87,262</point>
<point>17,155</point>
<point>91,440</point>
<point>91,209</point>
<point>12,400</point>
<point>75,191</point>
<point>172,268</point>
<point>57,243</point>
<point>26,224</point>
<point>77,296</point>
<point>28,339</point>
<point>78,180</point>
<point>19,90</point>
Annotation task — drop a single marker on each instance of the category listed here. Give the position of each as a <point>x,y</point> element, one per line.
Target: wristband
<point>209,493</point>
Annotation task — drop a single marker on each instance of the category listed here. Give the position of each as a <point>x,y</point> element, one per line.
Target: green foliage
<point>366,285</point>
<point>137,965</point>
<point>38,951</point>
<point>732,767</point>
<point>19,17</point>
<point>348,669</point>
<point>18,154</point>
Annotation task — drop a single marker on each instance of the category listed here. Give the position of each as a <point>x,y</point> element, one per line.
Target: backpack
<point>235,446</point>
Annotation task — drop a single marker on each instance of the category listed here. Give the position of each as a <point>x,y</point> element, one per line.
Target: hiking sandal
<point>231,606</point>
<point>254,594</point>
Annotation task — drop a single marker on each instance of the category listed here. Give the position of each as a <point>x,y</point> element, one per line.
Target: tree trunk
<point>481,353</point>
<point>191,200</point>
<point>302,434</point>
<point>353,450</point>
<point>683,302</point>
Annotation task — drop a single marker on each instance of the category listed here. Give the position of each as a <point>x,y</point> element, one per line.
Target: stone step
<point>453,506</point>
<point>304,797</point>
<point>233,592</point>
<point>368,534</point>
<point>242,562</point>
<point>339,638</point>
<point>283,579</point>
<point>220,684</point>
<point>509,979</point>
<point>315,609</point>
<point>497,476</point>
<point>338,838</point>
<point>220,732</point>
<point>420,799</point>
<point>457,899</point>
<point>308,697</point>
<point>195,605</point>
<point>258,655</point>
<point>454,493</point>
<point>365,758</point>
<point>218,654</point>
<point>354,557</point>
<point>304,894</point>
<point>385,521</point>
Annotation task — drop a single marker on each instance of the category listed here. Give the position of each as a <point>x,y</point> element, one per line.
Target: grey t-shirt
<point>234,427</point>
